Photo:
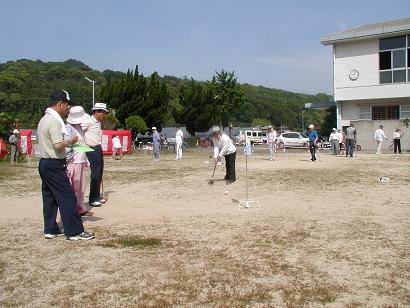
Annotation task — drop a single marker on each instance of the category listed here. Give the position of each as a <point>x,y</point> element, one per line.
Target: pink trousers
<point>76,174</point>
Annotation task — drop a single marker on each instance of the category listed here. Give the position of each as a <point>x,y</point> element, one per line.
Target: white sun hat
<point>77,115</point>
<point>100,106</point>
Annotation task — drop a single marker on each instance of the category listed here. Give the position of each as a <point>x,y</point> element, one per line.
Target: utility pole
<point>93,83</point>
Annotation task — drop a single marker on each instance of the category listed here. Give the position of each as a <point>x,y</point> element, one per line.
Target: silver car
<point>293,140</point>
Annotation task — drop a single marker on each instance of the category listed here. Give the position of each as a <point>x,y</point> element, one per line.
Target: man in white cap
<point>13,140</point>
<point>56,189</point>
<point>156,140</point>
<point>93,136</point>
<point>271,139</point>
<point>334,141</point>
<point>225,148</point>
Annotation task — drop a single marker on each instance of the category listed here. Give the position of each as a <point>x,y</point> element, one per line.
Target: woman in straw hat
<point>76,161</point>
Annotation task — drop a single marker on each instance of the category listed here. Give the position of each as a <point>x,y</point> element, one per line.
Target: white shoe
<point>96,203</point>
<point>49,236</point>
<point>102,200</point>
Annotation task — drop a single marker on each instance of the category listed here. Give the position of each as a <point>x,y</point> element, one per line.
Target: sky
<point>271,43</point>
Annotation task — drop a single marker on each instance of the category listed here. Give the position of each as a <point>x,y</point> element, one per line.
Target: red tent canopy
<point>125,138</point>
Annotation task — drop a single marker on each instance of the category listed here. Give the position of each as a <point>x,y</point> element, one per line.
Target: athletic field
<point>326,234</point>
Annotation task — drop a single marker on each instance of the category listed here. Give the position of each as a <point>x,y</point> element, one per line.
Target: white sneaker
<point>96,203</point>
<point>50,236</point>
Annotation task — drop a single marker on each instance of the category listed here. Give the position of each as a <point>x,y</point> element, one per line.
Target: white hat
<point>77,115</point>
<point>154,128</point>
<point>100,106</point>
<point>334,129</point>
<point>215,129</point>
<point>16,131</point>
<point>270,126</point>
<point>311,126</point>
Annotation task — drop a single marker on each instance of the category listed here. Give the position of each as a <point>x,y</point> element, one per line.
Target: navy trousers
<point>230,167</point>
<point>58,194</point>
<point>312,149</point>
<point>97,166</point>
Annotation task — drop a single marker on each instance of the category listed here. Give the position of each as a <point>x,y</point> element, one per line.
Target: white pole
<point>93,93</point>
<point>246,177</point>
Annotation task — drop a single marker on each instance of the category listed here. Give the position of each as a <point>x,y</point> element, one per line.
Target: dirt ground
<point>326,234</point>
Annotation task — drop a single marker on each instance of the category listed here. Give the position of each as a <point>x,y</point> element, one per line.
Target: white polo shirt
<point>92,132</point>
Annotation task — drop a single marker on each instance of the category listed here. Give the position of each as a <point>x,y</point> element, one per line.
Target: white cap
<point>100,106</point>
<point>154,128</point>
<point>334,129</point>
<point>215,129</point>
<point>311,126</point>
<point>16,131</point>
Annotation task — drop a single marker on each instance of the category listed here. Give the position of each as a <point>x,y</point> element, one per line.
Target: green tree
<point>195,107</point>
<point>110,122</point>
<point>227,97</point>
<point>136,124</point>
<point>7,123</point>
<point>134,94</point>
<point>260,121</point>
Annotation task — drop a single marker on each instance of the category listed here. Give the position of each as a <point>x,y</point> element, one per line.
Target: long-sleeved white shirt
<point>379,135</point>
<point>224,146</point>
<point>271,137</point>
<point>179,135</point>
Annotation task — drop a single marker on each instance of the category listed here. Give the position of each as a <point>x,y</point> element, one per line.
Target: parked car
<point>254,136</point>
<point>293,140</point>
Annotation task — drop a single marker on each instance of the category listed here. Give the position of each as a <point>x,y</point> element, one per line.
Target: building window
<point>404,111</point>
<point>365,112</point>
<point>385,112</point>
<point>393,65</point>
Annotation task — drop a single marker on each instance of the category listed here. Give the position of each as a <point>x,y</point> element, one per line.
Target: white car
<point>293,140</point>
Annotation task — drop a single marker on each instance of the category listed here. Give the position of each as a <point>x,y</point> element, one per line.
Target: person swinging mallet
<point>225,147</point>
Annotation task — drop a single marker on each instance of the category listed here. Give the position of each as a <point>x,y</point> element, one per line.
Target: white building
<point>371,79</point>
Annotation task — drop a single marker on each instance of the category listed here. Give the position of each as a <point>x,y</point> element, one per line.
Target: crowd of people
<point>62,165</point>
<point>67,149</point>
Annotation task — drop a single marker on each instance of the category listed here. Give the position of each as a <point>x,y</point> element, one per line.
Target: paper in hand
<point>81,148</point>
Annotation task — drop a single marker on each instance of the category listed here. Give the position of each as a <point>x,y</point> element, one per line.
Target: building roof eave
<point>368,31</point>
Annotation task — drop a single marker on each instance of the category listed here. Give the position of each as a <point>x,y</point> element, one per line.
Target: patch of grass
<point>132,242</point>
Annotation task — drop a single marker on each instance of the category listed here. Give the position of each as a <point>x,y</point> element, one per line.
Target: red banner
<point>125,139</point>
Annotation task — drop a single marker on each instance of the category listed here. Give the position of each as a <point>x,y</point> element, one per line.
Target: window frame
<point>404,112</point>
<point>406,67</point>
<point>360,114</point>
<point>386,112</point>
